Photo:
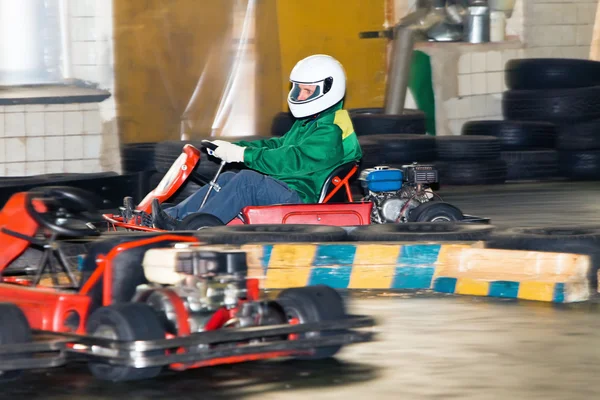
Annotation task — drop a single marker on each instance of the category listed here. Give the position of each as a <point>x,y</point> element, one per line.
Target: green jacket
<point>308,153</point>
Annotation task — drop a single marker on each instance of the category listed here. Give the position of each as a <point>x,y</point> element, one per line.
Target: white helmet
<point>327,74</point>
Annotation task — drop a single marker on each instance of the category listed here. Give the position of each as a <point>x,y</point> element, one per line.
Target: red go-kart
<point>145,301</point>
<point>392,196</point>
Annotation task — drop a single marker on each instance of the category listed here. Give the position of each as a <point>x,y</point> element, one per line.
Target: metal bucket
<point>477,26</point>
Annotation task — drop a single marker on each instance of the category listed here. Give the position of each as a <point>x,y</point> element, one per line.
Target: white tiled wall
<point>54,138</point>
<point>91,38</point>
<point>57,138</point>
<point>548,29</point>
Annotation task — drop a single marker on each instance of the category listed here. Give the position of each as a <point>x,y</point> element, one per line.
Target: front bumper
<point>54,349</point>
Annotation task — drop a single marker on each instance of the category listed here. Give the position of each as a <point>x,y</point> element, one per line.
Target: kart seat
<point>334,182</point>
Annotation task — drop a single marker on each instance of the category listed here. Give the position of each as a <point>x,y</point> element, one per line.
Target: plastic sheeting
<point>235,113</point>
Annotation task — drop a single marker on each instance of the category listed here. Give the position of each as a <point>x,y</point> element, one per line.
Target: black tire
<point>421,231</point>
<point>515,135</point>
<point>51,179</point>
<point>397,149</point>
<point>242,234</point>
<point>411,121</point>
<point>580,165</point>
<point>137,157</point>
<point>14,329</point>
<point>583,136</point>
<point>531,165</point>
<point>490,172</point>
<point>568,239</point>
<point>167,152</point>
<point>185,191</point>
<point>435,211</point>
<point>551,73</point>
<point>129,322</point>
<point>314,304</point>
<point>369,110</point>
<point>282,123</point>
<point>451,148</point>
<point>558,106</point>
<point>199,220</point>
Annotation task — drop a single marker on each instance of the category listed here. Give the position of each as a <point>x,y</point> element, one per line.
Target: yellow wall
<point>332,27</point>
<point>161,48</point>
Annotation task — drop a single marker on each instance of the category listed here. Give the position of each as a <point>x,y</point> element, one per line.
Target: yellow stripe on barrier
<point>472,287</point>
<point>374,266</point>
<point>511,265</point>
<point>290,265</point>
<point>541,291</point>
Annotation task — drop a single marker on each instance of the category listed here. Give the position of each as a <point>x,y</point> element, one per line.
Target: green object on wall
<point>421,87</point>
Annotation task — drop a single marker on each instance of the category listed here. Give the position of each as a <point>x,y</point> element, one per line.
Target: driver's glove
<point>218,143</point>
<point>229,152</point>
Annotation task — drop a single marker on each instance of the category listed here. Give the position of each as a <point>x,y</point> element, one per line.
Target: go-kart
<point>155,300</point>
<point>393,195</point>
<point>39,228</point>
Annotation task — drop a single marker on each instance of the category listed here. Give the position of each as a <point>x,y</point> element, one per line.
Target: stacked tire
<point>470,160</point>
<point>566,93</point>
<point>366,121</point>
<point>167,152</point>
<point>138,157</point>
<point>395,150</point>
<point>527,147</point>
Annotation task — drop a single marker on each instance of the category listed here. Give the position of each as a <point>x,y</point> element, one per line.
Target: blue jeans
<point>238,190</point>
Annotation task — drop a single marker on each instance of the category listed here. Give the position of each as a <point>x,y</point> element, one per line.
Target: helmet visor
<point>302,92</point>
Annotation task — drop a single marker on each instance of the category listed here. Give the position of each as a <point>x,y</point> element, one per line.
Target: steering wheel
<point>207,144</point>
<point>68,211</point>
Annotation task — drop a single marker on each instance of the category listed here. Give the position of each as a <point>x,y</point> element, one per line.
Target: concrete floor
<point>430,346</point>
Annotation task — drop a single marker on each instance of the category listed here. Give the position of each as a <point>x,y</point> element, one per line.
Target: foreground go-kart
<point>392,196</point>
<point>155,300</point>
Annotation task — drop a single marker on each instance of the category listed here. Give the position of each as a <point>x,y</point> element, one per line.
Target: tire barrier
<point>565,92</point>
<point>395,266</point>
<point>462,268</point>
<point>514,274</point>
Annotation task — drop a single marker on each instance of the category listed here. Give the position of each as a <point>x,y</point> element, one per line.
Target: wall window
<point>31,42</point>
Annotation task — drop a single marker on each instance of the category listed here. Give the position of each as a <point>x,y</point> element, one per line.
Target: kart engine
<point>395,192</point>
<point>205,280</point>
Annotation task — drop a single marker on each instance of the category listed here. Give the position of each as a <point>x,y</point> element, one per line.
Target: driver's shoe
<point>160,219</point>
<point>128,209</point>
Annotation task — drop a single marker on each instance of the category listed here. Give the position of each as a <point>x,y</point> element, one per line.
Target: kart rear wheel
<point>127,322</point>
<point>435,211</point>
<point>314,304</point>
<point>14,329</point>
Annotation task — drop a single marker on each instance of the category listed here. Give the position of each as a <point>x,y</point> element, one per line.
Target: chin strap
<point>310,119</point>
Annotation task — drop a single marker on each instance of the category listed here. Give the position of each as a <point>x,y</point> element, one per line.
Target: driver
<point>287,169</point>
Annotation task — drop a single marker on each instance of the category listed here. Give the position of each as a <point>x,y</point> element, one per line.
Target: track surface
<point>430,347</point>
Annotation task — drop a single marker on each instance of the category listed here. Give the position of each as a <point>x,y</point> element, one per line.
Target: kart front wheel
<point>127,322</point>
<point>14,329</point>
<point>314,304</point>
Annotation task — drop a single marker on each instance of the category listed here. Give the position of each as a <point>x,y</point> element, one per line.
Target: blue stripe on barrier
<point>336,277</point>
<point>412,278</point>
<point>266,257</point>
<point>505,289</point>
<point>332,265</point>
<point>559,292</point>
<point>416,266</point>
<point>445,285</point>
<point>419,254</point>
<point>334,254</point>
